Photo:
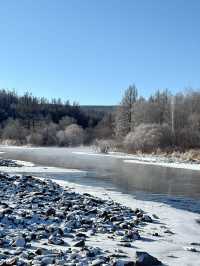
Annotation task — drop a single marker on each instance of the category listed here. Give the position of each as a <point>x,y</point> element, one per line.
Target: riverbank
<point>172,236</point>
<point>176,160</point>
<point>148,159</point>
<point>43,223</point>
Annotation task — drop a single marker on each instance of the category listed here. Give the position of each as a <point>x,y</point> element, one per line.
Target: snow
<point>145,159</point>
<point>24,163</point>
<point>188,166</point>
<point>170,248</point>
<point>29,167</point>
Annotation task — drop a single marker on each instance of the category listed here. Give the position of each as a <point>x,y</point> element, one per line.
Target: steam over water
<point>177,187</point>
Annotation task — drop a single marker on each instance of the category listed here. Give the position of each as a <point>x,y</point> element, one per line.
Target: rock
<point>192,249</point>
<point>124,263</point>
<point>147,218</point>
<point>133,234</point>
<point>11,261</point>
<point>195,243</point>
<point>155,216</point>
<point>80,243</point>
<point>169,232</point>
<point>56,240</point>
<point>155,234</point>
<point>126,244</point>
<point>145,259</point>
<point>82,235</point>
<point>47,260</point>
<point>50,211</point>
<point>97,262</point>
<point>40,210</point>
<point>41,251</point>
<point>20,242</point>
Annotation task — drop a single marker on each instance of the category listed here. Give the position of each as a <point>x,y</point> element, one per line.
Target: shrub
<point>148,137</point>
<point>60,135</point>
<point>188,139</point>
<point>49,134</point>
<point>35,139</point>
<point>66,121</point>
<point>191,155</point>
<point>14,131</point>
<point>103,146</point>
<point>73,135</point>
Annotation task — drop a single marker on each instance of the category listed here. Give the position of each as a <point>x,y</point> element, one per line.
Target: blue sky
<point>90,51</point>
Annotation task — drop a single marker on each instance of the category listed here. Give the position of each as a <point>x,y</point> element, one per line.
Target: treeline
<point>163,121</point>
<point>31,120</point>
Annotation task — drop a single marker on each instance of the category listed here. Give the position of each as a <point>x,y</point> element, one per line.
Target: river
<point>179,188</point>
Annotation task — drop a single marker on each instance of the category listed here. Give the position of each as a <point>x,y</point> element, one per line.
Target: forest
<point>162,121</point>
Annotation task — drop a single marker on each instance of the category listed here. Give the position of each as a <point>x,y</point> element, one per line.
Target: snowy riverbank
<point>43,223</point>
<point>172,238</point>
<point>148,159</point>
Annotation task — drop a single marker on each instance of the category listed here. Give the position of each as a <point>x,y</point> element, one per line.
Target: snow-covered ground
<point>146,159</point>
<point>28,167</point>
<point>189,166</point>
<point>178,229</point>
<point>169,248</point>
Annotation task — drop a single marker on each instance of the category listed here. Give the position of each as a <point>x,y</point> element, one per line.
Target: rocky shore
<point>43,223</point>
<point>9,163</point>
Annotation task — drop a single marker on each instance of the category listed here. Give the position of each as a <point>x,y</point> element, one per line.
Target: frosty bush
<point>14,131</point>
<point>103,146</point>
<point>73,135</point>
<point>148,137</point>
<point>35,139</point>
<point>60,135</point>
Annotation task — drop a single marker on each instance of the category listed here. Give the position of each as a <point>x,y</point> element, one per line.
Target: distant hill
<point>98,108</point>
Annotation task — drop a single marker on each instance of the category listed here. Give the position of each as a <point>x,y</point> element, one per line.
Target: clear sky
<point>91,50</point>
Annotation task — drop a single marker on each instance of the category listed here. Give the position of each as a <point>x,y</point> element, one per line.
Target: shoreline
<point>44,223</point>
<point>146,159</point>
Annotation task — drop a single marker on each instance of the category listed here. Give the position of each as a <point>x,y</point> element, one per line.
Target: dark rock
<point>56,240</point>
<point>124,263</point>
<point>147,218</point>
<point>97,262</point>
<point>145,259</point>
<point>155,234</point>
<point>81,235</point>
<point>169,232</point>
<point>80,243</point>
<point>50,211</point>
<point>155,216</point>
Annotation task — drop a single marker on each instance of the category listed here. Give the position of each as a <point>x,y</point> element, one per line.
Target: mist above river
<point>157,183</point>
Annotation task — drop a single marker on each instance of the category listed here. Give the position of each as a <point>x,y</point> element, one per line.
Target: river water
<point>179,188</point>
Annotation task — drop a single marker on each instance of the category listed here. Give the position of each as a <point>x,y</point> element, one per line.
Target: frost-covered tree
<point>124,120</point>
<point>148,137</point>
<point>73,135</point>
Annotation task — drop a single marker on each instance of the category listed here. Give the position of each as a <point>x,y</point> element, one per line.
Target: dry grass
<point>190,155</point>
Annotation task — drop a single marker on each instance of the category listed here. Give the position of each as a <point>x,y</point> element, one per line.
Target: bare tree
<point>124,122</point>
